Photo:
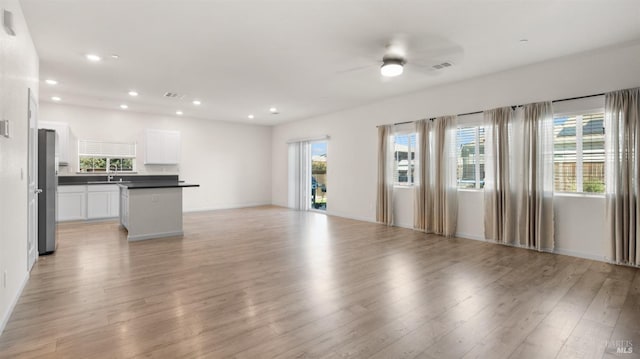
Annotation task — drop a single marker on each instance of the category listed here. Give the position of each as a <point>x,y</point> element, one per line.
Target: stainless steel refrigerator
<point>47,184</point>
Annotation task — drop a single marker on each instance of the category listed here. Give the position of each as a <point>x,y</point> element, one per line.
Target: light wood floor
<point>270,282</point>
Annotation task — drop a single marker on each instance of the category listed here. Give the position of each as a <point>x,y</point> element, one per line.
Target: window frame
<point>108,164</point>
<point>476,126</point>
<point>411,178</point>
<point>579,115</point>
<point>108,158</point>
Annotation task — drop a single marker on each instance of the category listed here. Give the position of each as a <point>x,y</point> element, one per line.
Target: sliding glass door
<point>318,155</point>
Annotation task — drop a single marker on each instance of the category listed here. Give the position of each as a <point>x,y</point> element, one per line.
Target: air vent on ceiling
<point>441,66</point>
<point>171,94</point>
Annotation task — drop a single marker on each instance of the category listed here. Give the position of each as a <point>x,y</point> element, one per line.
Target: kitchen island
<point>152,209</point>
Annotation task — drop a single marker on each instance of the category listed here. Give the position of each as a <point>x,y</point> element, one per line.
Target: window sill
<point>403,186</point>
<point>470,190</point>
<point>579,194</point>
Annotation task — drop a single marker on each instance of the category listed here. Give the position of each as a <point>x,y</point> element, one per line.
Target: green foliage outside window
<point>593,187</point>
<point>122,164</point>
<point>318,167</point>
<point>102,164</point>
<point>93,164</point>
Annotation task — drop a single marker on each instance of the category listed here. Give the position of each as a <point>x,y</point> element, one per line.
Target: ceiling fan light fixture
<point>391,67</point>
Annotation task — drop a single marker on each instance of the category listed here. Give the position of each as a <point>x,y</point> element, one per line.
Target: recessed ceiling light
<point>133,93</point>
<point>251,117</point>
<point>124,107</point>
<point>55,98</point>
<point>115,57</point>
<point>196,102</point>
<point>93,57</point>
<point>51,82</point>
<point>391,67</point>
<point>179,113</point>
<point>273,110</point>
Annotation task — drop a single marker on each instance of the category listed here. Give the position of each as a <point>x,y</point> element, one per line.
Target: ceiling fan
<point>394,59</point>
<point>427,54</point>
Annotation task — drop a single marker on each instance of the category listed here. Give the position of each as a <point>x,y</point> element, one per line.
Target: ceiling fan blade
<point>435,56</point>
<point>354,69</point>
<point>424,70</point>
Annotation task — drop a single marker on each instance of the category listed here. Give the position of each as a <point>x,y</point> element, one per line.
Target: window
<point>105,164</point>
<point>404,145</point>
<point>579,153</point>
<point>96,156</point>
<point>470,147</point>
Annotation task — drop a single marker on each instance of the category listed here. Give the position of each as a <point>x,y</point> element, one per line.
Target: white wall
<point>18,72</point>
<point>231,162</point>
<point>351,167</point>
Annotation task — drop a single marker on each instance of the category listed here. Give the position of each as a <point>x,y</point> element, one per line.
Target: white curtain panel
<point>519,176</point>
<point>533,180</point>
<point>299,175</point>
<point>497,202</point>
<point>384,204</point>
<point>622,148</point>
<point>436,192</point>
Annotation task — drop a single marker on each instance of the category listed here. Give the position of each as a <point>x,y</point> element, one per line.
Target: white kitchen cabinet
<point>151,212</point>
<point>97,205</point>
<point>162,147</point>
<point>102,201</point>
<point>72,203</point>
<point>114,203</point>
<point>124,207</point>
<point>88,202</point>
<point>63,140</point>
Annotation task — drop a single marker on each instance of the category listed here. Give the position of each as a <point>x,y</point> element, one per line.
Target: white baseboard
<point>404,225</point>
<point>12,305</point>
<point>233,206</point>
<point>470,236</point>
<point>142,237</point>
<point>561,251</point>
<point>571,253</point>
<point>344,215</point>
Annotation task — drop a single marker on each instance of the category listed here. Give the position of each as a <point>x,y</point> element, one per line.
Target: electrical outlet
<point>154,198</point>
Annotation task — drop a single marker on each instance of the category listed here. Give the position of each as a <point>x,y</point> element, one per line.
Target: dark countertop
<point>155,184</point>
<point>102,179</point>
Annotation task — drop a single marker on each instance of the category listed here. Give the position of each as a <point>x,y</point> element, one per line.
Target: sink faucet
<point>115,172</point>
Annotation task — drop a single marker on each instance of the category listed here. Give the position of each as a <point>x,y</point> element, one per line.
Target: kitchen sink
<point>107,182</point>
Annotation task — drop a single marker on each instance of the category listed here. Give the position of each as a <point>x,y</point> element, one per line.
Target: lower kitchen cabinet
<point>72,203</point>
<point>102,201</point>
<point>88,202</point>
<point>114,203</point>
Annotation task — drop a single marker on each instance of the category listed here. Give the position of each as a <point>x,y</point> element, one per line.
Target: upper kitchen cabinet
<point>162,147</point>
<point>63,140</point>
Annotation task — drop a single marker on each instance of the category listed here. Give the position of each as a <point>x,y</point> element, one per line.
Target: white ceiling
<point>241,57</point>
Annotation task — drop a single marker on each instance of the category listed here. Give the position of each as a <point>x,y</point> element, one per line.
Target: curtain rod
<point>309,139</point>
<point>478,112</point>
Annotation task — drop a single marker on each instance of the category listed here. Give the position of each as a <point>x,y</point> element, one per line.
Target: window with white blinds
<point>579,153</point>
<point>106,149</point>
<point>470,148</point>
<point>100,156</point>
<point>404,154</point>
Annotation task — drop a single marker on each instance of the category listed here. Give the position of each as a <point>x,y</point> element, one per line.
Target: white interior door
<point>32,180</point>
